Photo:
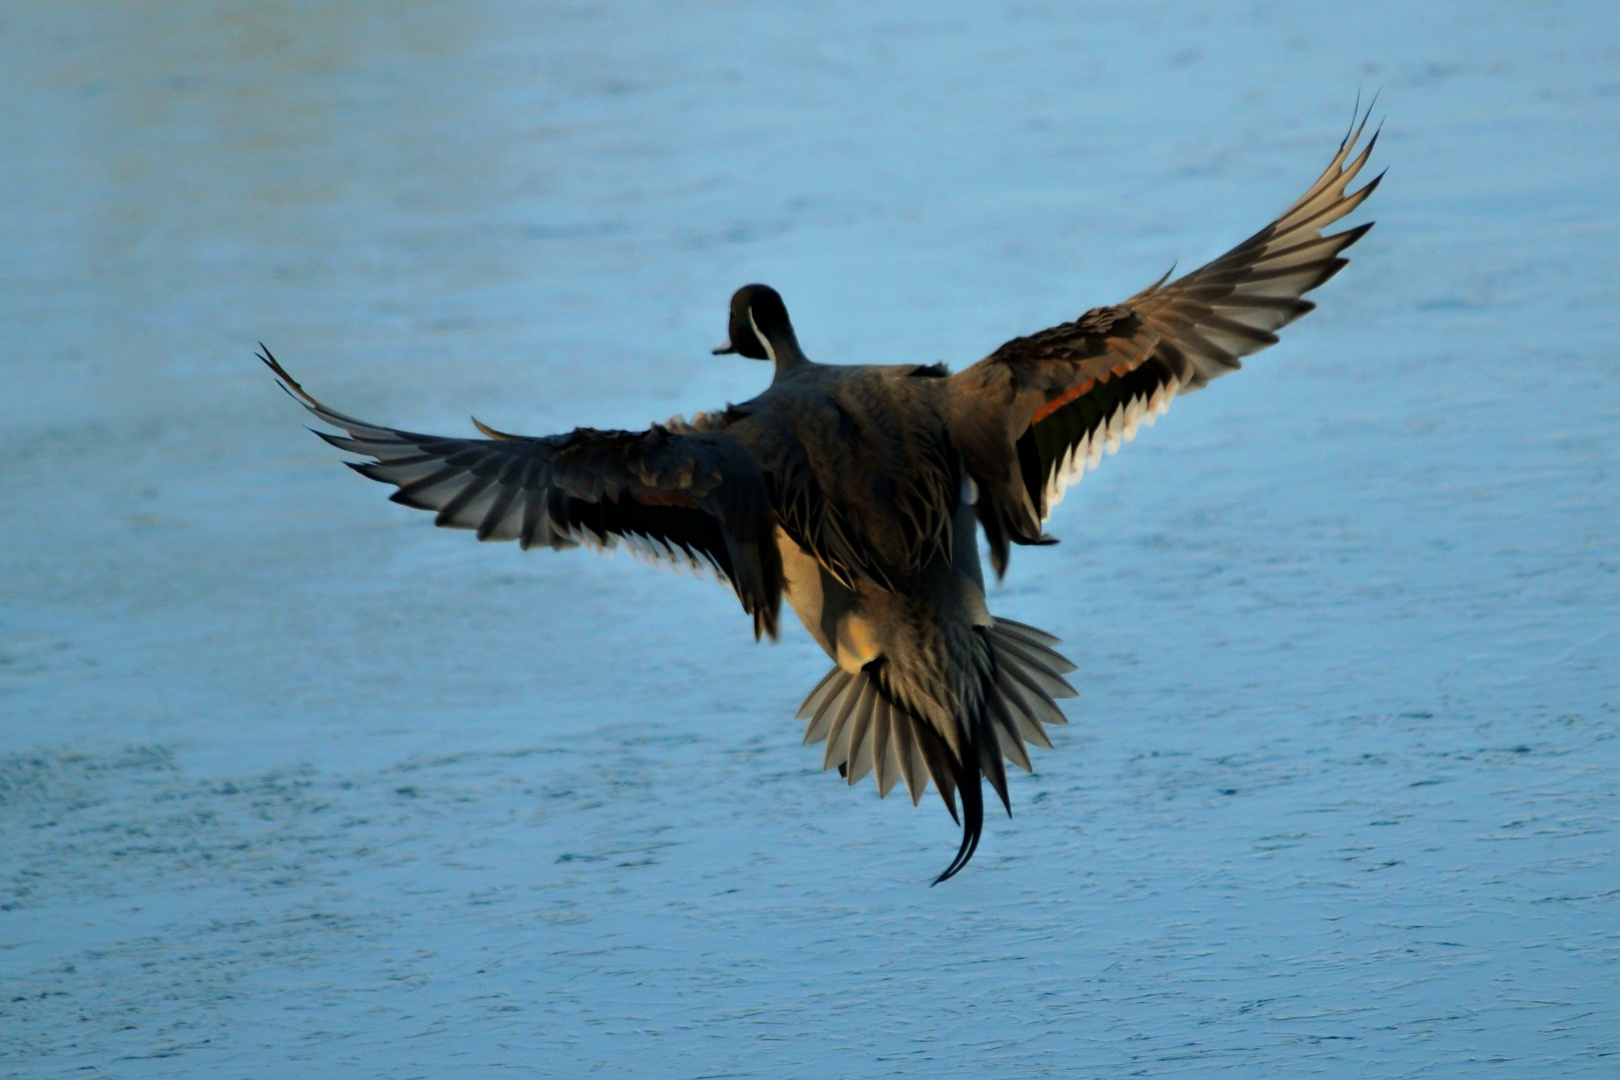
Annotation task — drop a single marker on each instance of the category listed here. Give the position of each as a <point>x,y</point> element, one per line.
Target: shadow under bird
<point>856,492</point>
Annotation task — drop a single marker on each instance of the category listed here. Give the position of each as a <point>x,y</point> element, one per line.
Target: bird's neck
<point>781,345</point>
<point>784,351</point>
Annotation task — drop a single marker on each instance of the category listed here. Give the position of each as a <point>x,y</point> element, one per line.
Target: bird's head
<point>759,329</point>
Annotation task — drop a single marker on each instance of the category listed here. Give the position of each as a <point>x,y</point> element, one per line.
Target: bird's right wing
<point>1034,415</point>
<point>694,497</point>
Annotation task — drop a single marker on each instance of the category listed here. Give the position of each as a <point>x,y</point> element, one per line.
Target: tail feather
<point>972,820</point>
<point>940,763</point>
<point>1036,689</point>
<point>868,731</point>
<point>912,767</point>
<point>1012,743</point>
<point>991,763</point>
<point>1033,635</point>
<point>1037,667</point>
<point>885,761</point>
<point>859,753</point>
<point>815,703</point>
<point>854,697</point>
<point>1027,716</point>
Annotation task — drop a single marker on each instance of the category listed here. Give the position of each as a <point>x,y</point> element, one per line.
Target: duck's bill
<point>724,347</point>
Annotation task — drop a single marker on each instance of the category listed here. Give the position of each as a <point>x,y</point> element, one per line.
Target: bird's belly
<point>833,614</point>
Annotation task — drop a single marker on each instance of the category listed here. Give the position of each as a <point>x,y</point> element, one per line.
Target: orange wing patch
<point>1085,388</point>
<point>1062,399</point>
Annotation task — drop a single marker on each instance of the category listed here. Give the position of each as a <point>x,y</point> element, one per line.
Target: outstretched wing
<point>1034,415</point>
<point>696,498</point>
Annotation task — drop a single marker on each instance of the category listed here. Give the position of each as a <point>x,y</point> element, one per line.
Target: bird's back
<point>861,463</point>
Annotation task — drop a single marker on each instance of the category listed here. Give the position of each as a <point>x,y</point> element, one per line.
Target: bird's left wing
<point>693,497</point>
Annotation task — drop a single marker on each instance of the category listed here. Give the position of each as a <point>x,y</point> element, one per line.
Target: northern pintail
<point>857,491</point>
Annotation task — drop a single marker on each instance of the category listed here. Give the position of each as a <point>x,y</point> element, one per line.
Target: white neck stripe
<point>763,340</point>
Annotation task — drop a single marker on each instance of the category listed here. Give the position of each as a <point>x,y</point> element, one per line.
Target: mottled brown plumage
<point>854,491</point>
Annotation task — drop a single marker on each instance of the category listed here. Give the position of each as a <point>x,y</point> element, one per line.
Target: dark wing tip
<point>296,391</point>
<point>493,433</point>
<point>288,383</point>
<point>1358,120</point>
<point>1162,279</point>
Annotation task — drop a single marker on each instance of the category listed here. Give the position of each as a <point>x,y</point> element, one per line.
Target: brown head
<point>760,328</point>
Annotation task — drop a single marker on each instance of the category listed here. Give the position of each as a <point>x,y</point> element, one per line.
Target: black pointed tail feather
<point>1016,652</point>
<point>967,781</point>
<point>1022,678</point>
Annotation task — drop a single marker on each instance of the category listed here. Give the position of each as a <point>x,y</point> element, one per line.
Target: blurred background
<point>292,783</point>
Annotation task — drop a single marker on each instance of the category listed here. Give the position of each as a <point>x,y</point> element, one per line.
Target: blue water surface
<point>293,784</point>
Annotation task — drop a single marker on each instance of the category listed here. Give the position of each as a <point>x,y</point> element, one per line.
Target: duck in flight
<point>857,493</point>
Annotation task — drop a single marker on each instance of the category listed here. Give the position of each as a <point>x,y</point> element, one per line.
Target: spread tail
<point>868,732</point>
